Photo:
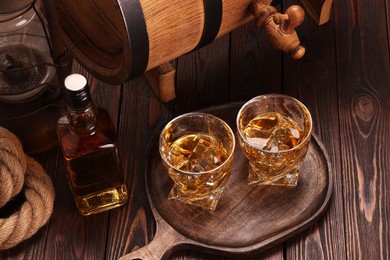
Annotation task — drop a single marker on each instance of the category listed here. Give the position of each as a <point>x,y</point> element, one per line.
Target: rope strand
<point>18,170</point>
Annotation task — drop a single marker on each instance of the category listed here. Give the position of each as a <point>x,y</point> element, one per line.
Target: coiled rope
<point>20,173</point>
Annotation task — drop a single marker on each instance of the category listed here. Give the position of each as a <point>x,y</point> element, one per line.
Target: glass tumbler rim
<point>276,95</point>
<point>163,157</point>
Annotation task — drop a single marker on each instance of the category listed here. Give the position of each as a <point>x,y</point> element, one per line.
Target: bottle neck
<point>83,122</point>
<point>81,110</point>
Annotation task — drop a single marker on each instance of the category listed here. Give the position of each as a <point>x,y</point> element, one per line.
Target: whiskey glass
<point>197,152</point>
<point>274,133</point>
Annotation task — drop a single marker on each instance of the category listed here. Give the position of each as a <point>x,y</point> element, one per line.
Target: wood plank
<point>313,80</point>
<point>203,77</point>
<point>70,235</point>
<point>255,65</point>
<point>388,22</point>
<point>364,79</point>
<point>202,80</point>
<point>256,69</point>
<point>141,116</point>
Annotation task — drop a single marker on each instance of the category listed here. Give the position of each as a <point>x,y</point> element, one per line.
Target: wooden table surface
<point>344,79</point>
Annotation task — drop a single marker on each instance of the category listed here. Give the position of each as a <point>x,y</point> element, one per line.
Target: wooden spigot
<point>280,28</point>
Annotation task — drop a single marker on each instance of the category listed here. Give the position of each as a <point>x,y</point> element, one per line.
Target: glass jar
<point>30,99</point>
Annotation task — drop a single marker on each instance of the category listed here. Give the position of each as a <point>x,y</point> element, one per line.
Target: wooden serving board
<point>248,219</point>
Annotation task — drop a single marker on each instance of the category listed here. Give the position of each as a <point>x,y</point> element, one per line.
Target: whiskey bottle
<point>88,141</point>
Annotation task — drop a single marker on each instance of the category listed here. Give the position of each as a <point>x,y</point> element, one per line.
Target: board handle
<point>165,241</point>
<point>280,28</point>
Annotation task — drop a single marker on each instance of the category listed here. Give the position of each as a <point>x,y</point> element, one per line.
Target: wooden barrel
<point>116,40</point>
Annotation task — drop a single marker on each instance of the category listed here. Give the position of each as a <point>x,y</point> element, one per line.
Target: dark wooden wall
<point>344,79</point>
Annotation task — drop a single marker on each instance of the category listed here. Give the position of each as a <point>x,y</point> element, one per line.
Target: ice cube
<point>200,147</point>
<point>196,168</point>
<point>259,131</point>
<point>278,141</point>
<point>177,154</point>
<point>258,143</point>
<point>295,133</point>
<point>209,160</point>
<point>183,165</point>
<point>262,127</point>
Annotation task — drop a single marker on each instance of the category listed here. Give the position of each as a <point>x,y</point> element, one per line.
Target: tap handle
<point>280,28</point>
<point>293,17</point>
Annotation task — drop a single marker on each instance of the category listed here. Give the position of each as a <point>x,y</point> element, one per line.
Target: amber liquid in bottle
<point>89,145</point>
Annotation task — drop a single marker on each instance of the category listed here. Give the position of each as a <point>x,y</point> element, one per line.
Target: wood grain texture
<point>255,65</point>
<point>174,28</point>
<point>235,14</point>
<point>343,79</point>
<point>314,81</point>
<point>162,80</point>
<point>388,21</point>
<point>280,28</point>
<point>142,115</point>
<point>203,77</point>
<point>319,10</point>
<point>94,35</point>
<point>364,79</point>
